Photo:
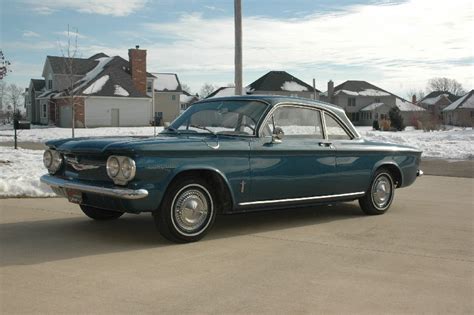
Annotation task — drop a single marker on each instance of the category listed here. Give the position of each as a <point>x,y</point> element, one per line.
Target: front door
<point>115,117</point>
<point>301,166</point>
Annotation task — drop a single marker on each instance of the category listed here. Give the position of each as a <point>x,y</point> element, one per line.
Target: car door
<point>300,165</point>
<point>353,162</point>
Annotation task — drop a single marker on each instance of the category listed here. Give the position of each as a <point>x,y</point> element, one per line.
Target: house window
<point>351,101</point>
<point>377,100</point>
<point>44,110</point>
<point>173,97</point>
<point>183,107</point>
<point>148,86</point>
<point>472,114</point>
<point>50,84</point>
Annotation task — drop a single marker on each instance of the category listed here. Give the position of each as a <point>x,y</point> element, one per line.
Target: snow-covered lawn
<point>19,173</point>
<point>20,169</point>
<point>455,143</point>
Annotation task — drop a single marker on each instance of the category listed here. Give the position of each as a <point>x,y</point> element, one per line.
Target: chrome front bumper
<point>122,193</point>
<point>419,173</point>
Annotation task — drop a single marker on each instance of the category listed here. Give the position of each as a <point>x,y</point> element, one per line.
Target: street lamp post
<point>238,46</point>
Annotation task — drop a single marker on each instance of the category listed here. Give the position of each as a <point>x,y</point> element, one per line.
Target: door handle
<point>325,144</point>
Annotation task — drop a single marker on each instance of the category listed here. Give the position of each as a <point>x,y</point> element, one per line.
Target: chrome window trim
<point>260,202</point>
<point>343,126</point>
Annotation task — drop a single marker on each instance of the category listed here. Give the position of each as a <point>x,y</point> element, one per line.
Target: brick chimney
<point>413,99</point>
<point>330,91</point>
<point>137,60</point>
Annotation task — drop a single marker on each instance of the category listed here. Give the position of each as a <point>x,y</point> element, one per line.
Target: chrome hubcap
<point>381,191</point>
<point>190,210</point>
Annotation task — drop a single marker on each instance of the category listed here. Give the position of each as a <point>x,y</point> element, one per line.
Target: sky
<point>396,45</point>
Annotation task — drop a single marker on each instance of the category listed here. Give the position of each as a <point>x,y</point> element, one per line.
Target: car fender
<point>186,168</point>
<point>386,162</point>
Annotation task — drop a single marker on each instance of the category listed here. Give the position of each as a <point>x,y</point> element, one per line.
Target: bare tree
<point>14,97</point>
<point>207,89</point>
<point>69,52</point>
<point>185,88</point>
<point>3,91</point>
<point>445,85</point>
<point>418,93</point>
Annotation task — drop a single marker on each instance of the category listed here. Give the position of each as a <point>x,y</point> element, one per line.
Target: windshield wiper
<point>203,128</point>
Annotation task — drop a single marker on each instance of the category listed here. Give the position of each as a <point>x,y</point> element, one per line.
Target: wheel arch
<point>394,170</point>
<point>215,178</point>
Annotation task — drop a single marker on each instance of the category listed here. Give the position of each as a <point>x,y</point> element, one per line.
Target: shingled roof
<point>466,101</point>
<point>434,96</point>
<point>359,86</point>
<point>280,81</point>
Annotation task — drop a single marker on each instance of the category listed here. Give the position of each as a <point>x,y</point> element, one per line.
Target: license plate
<point>74,196</point>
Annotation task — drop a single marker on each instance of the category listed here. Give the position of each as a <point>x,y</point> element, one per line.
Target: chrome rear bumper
<point>419,173</point>
<point>122,193</point>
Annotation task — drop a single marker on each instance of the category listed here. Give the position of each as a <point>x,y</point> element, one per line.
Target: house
<point>282,83</point>
<point>435,102</point>
<point>33,109</point>
<point>167,91</point>
<point>186,100</point>
<point>461,111</point>
<point>108,91</point>
<point>365,102</point>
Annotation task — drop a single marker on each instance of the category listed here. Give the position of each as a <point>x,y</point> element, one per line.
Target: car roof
<point>273,100</point>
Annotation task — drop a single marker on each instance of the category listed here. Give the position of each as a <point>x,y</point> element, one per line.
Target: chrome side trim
<point>261,202</point>
<point>122,193</point>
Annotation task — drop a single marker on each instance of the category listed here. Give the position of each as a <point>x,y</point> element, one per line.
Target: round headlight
<point>47,159</point>
<point>57,162</point>
<point>113,166</point>
<point>128,168</point>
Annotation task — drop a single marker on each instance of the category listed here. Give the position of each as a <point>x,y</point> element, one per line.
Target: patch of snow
<point>468,100</point>
<point>433,100</point>
<point>166,82</point>
<point>120,91</point>
<point>292,86</point>
<point>372,92</point>
<point>367,92</point>
<point>406,106</point>
<point>91,75</point>
<point>371,107</point>
<point>97,85</point>
<point>456,143</point>
<point>183,98</point>
<point>20,171</point>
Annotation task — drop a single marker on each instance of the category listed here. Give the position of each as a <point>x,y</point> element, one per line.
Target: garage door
<point>65,116</point>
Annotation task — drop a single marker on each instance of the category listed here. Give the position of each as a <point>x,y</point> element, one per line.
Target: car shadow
<point>32,242</point>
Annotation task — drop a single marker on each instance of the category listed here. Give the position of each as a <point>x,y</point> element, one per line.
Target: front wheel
<point>100,214</point>
<point>379,197</point>
<point>187,212</point>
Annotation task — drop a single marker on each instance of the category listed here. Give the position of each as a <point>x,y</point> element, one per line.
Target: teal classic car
<point>230,155</point>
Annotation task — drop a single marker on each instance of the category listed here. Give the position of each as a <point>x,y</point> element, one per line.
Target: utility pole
<point>238,46</point>
<point>314,88</point>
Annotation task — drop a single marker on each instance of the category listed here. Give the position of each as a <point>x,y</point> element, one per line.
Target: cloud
<point>102,7</point>
<point>71,34</point>
<point>30,34</point>
<point>213,8</point>
<point>410,41</point>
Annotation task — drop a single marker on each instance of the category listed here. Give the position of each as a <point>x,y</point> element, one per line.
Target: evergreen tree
<point>396,118</point>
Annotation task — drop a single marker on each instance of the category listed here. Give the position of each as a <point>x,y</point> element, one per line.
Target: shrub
<point>396,119</point>
<point>375,125</point>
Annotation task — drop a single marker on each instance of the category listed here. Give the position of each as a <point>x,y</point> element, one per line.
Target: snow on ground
<point>455,143</point>
<point>43,134</point>
<point>20,171</point>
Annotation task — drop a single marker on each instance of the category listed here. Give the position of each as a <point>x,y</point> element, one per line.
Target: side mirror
<point>277,135</point>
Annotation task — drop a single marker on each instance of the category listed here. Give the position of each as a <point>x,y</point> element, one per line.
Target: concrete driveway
<point>418,257</point>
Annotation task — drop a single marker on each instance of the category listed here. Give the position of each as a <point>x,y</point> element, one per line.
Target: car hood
<point>131,145</point>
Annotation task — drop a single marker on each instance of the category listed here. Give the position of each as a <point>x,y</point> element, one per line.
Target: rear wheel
<point>379,197</point>
<point>100,214</point>
<point>188,210</point>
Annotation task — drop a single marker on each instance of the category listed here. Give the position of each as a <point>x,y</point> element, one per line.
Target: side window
<point>296,122</point>
<point>334,129</point>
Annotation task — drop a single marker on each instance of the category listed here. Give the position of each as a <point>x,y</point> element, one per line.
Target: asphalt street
<point>417,258</point>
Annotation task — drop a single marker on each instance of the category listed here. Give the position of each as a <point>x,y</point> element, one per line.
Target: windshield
<point>237,117</point>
